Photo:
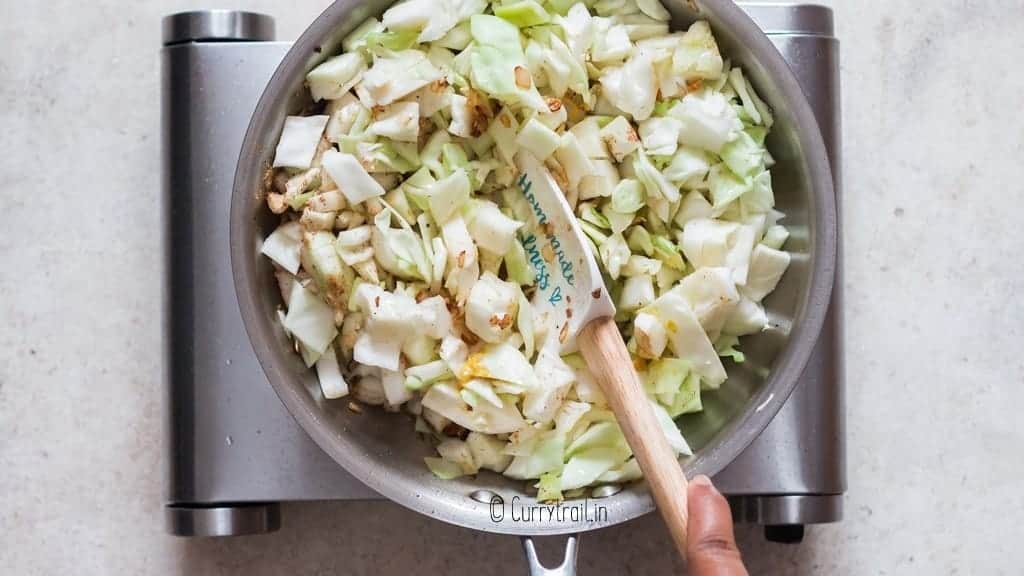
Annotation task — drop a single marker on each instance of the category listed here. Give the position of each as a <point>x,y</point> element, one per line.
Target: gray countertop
<point>933,236</point>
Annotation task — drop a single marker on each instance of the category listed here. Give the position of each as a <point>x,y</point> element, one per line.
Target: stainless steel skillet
<point>378,448</point>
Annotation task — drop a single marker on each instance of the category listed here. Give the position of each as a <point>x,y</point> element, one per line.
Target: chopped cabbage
<point>336,76</point>
<point>355,183</point>
<point>492,307</point>
<point>299,140</point>
<point>284,245</point>
<point>310,320</point>
<point>406,265</point>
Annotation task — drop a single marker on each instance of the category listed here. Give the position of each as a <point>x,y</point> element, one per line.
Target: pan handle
<point>566,568</point>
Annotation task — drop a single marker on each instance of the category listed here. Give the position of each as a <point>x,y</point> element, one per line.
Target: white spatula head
<point>570,289</point>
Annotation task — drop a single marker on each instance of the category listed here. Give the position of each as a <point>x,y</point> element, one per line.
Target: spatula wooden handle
<point>605,353</point>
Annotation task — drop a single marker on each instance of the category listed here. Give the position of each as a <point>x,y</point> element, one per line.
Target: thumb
<point>711,546</point>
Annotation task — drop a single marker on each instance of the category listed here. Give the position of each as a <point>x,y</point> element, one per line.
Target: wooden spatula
<point>571,290</point>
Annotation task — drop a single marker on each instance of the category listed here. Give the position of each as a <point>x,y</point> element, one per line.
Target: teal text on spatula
<point>533,249</point>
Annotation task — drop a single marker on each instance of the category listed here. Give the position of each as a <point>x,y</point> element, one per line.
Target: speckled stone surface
<point>933,235</point>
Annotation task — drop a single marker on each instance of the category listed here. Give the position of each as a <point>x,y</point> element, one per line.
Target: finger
<point>711,548</point>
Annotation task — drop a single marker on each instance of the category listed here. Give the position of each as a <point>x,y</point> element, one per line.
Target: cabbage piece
<point>355,183</point>
<point>437,320</point>
<point>454,352</point>
<point>667,253</point>
<point>524,13</point>
<point>387,42</point>
<point>708,121</point>
<point>586,466</point>
<point>627,197</point>
<point>660,136</point>
<point>419,349</point>
<point>650,335</point>
<point>335,76</point>
<point>687,338</point>
<point>611,47</point>
<point>588,134</point>
<point>399,121</point>
<point>423,375</point>
<point>462,116</point>
<point>754,107</point>
<point>541,452</point>
<point>458,38</point>
<point>491,229</point>
<point>685,400</point>
<point>540,140</point>
<point>457,451</point>
<point>504,130</point>
<point>641,266</point>
<point>400,251</point>
<point>760,199</point>
<point>463,266</point>
<point>347,114</point>
<point>637,292</point>
<point>714,243</point>
<point>654,9</point>
<point>486,418</point>
<point>655,183</point>
<point>688,168</point>
<point>394,76</point>
<point>555,116</point>
<point>476,390</point>
<point>639,26</point>
<point>491,308</point>
<point>299,140</point>
<point>396,315</point>
<point>618,221</point>
<point>767,266</point>
<point>284,245</point>
<point>601,432</point>
<point>601,182</point>
<point>443,469</point>
<point>697,56</point>
<point>554,378</point>
<point>667,375</point>
<point>627,472</point>
<point>432,98</point>
<point>565,71</point>
<point>498,64</point>
<point>500,362</point>
<point>447,196</point>
<point>549,486</point>
<point>310,320</point>
<point>743,156</point>
<point>488,452</point>
<point>614,253</point>
<point>537,455</point>
<point>432,18</point>
<point>671,431</point>
<point>579,30</point>
<point>573,159</point>
<point>775,237</point>
<point>747,318</point>
<point>727,346</point>
<point>357,38</point>
<point>620,137</point>
<point>712,295</point>
<point>518,267</point>
<point>395,392</point>
<point>332,383</point>
<point>693,207</point>
<point>632,87</point>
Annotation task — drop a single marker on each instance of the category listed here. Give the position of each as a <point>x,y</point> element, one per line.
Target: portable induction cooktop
<point>235,453</point>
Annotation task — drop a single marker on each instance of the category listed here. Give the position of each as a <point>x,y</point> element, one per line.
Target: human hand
<point>711,545</point>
